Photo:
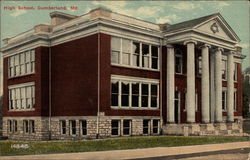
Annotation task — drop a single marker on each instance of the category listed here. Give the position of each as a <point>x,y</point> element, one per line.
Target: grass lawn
<point>8,147</point>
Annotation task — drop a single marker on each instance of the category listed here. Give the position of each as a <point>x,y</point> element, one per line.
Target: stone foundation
<point>210,129</point>
<point>103,131</point>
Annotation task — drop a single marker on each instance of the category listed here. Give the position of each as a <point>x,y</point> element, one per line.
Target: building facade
<point>104,74</point>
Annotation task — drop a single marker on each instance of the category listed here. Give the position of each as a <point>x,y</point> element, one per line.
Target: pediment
<point>217,27</point>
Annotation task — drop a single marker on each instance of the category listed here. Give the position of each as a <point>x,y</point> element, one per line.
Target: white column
<point>218,85</point>
<point>170,83</point>
<point>230,87</point>
<point>205,84</point>
<point>190,99</point>
<point>212,87</point>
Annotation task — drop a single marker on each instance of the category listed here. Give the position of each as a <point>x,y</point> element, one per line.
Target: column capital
<point>169,45</point>
<point>231,52</point>
<point>205,45</point>
<point>190,41</point>
<point>219,49</point>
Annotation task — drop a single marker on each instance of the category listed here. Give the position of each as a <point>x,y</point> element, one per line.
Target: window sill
<point>133,108</point>
<point>134,67</point>
<point>24,110</point>
<point>23,75</point>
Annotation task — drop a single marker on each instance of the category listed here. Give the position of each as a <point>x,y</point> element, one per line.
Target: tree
<point>246,92</point>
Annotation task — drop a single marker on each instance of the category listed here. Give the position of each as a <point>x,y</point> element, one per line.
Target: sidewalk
<point>133,153</point>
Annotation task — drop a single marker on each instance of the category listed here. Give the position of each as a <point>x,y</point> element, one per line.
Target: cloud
<point>185,6</point>
<point>18,13</point>
<point>220,5</point>
<point>167,19</point>
<point>122,8</point>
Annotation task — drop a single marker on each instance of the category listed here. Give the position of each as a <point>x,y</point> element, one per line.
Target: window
<point>83,127</point>
<point>154,95</point>
<point>178,62</point>
<point>196,101</point>
<point>235,101</point>
<point>72,127</point>
<point>115,127</point>
<point>32,126</point>
<point>125,94</point>
<point>63,126</point>
<point>136,54</point>
<point>26,126</point>
<point>22,63</point>
<point>235,71</point>
<point>156,126</point>
<point>14,125</point>
<point>10,126</point>
<point>155,55</point>
<point>177,106</point>
<point>22,98</point>
<point>145,55</point>
<point>224,69</point>
<point>29,126</point>
<point>224,100</point>
<point>134,94</point>
<point>126,51</point>
<point>144,97</point>
<point>146,126</point>
<point>131,53</point>
<point>199,66</point>
<point>115,92</point>
<point>126,127</point>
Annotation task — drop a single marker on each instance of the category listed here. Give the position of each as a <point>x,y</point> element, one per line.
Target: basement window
<point>32,126</point>
<point>126,127</point>
<point>72,127</point>
<point>10,126</point>
<point>26,126</point>
<point>146,126</point>
<point>224,100</point>
<point>156,126</point>
<point>83,127</point>
<point>115,125</point>
<point>63,126</point>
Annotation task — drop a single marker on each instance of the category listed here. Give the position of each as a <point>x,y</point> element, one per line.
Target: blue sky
<point>236,13</point>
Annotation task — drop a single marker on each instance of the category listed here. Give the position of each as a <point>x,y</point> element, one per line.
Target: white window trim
<point>31,51</point>
<point>130,80</point>
<point>181,59</point>
<point>80,122</point>
<point>18,87</point>
<point>119,128</point>
<point>61,127</point>
<point>140,56</point>
<point>130,127</point>
<point>235,100</point>
<point>224,90</point>
<point>225,61</point>
<point>70,127</point>
<point>158,126</point>
<point>179,105</point>
<point>236,71</point>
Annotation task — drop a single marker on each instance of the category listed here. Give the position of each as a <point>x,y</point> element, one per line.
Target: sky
<point>236,13</point>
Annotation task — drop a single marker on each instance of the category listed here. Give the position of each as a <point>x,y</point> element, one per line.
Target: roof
<point>190,23</point>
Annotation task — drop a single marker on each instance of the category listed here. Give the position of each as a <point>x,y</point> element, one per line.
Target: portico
<point>215,41</point>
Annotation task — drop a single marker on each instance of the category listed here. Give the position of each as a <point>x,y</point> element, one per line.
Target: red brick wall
<point>106,70</point>
<point>74,77</point>
<point>36,77</point>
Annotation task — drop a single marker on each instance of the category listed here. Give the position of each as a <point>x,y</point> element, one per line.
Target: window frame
<point>129,127</point>
<point>224,108</point>
<point>132,54</point>
<point>139,81</point>
<point>224,70</point>
<point>71,128</point>
<point>62,128</point>
<point>158,126</point>
<point>85,128</point>
<point>118,128</point>
<point>17,100</point>
<point>15,70</point>
<point>179,54</point>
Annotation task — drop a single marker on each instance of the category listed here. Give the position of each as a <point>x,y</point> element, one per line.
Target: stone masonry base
<point>104,127</point>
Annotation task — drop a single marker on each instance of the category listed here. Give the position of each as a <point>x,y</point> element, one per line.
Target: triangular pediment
<point>217,27</point>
